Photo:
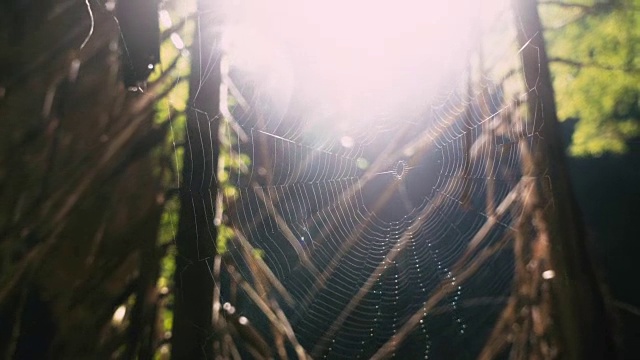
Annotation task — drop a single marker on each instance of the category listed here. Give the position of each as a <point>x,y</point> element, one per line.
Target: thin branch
<point>579,64</point>
<point>277,322</point>
<point>634,310</point>
<point>286,231</point>
<point>486,228</point>
<point>166,34</point>
<point>568,5</point>
<point>242,240</point>
<point>498,339</point>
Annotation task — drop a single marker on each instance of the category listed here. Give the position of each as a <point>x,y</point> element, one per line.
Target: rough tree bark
<point>579,324</point>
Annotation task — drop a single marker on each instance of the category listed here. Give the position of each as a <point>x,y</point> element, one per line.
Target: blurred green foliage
<point>593,48</point>
<point>172,109</point>
<point>230,162</point>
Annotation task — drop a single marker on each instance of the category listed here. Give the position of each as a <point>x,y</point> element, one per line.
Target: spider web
<point>361,221</point>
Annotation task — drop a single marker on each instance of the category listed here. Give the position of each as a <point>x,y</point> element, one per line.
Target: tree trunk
<point>579,318</point>
<point>192,328</point>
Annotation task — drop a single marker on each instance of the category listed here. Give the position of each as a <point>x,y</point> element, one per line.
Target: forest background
<point>91,173</point>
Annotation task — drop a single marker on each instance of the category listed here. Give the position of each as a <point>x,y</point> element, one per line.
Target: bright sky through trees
<point>360,58</point>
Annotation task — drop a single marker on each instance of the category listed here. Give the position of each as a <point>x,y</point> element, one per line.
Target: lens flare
<point>362,60</point>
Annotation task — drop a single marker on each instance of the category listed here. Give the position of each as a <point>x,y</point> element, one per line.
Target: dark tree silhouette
<point>196,238</point>
<point>81,192</point>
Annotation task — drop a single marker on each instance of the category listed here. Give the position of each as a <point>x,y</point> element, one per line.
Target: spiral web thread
<point>392,241</point>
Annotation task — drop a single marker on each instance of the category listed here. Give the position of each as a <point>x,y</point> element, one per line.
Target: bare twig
<point>244,243</point>
<point>631,309</point>
<point>580,64</point>
<point>264,307</point>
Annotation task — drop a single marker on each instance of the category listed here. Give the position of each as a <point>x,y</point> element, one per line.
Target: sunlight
<point>353,56</point>
<point>118,315</point>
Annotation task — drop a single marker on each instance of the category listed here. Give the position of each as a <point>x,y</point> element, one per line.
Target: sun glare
<point>354,56</point>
